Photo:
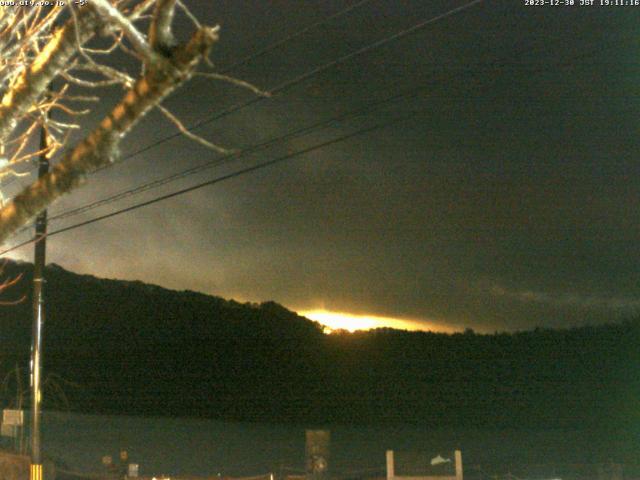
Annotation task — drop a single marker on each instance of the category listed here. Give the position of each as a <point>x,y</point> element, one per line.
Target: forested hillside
<point>140,349</point>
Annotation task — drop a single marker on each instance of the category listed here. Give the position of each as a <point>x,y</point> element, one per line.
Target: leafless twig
<point>189,134</point>
<point>234,81</point>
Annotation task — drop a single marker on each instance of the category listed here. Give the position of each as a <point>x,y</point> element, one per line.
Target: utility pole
<point>35,472</point>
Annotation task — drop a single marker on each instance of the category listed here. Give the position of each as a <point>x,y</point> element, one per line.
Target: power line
<point>223,178</point>
<point>310,74</point>
<point>218,161</point>
<point>307,75</point>
<point>293,36</point>
<point>270,48</point>
<point>219,179</point>
<point>274,141</point>
<point>254,148</point>
<point>22,244</point>
<point>242,153</point>
<point>287,84</point>
<point>290,83</point>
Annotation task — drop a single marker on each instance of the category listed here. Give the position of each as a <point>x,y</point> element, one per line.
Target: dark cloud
<point>508,202</point>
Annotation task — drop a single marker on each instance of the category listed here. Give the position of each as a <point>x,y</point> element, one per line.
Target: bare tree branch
<point>100,147</point>
<point>235,81</point>
<point>32,57</point>
<point>160,34</point>
<point>189,15</point>
<point>113,16</point>
<point>187,133</point>
<point>32,83</point>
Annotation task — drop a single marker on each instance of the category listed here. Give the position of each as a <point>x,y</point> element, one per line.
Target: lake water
<point>185,446</point>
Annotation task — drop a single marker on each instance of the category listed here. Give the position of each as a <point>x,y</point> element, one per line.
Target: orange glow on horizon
<point>352,322</point>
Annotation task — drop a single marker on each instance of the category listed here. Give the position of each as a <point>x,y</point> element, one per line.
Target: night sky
<point>508,201</point>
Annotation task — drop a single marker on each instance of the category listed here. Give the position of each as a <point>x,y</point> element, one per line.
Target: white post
<point>390,466</point>
<point>458,457</point>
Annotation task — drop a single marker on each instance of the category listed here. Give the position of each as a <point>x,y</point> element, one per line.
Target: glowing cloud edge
<point>333,320</point>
